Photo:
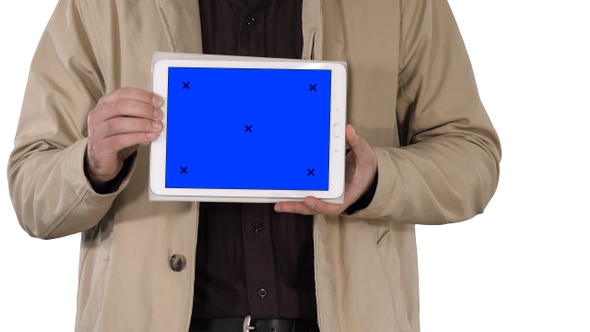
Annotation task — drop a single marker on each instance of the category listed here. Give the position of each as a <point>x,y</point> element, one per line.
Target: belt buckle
<point>246,325</point>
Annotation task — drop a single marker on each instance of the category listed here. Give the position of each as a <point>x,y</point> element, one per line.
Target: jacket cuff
<point>113,185</point>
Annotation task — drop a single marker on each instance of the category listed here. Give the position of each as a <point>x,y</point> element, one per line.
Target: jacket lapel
<point>182,23</point>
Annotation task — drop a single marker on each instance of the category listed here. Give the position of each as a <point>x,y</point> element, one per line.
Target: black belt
<point>245,324</point>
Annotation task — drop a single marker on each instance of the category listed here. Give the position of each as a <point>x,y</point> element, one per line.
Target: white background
<point>521,266</point>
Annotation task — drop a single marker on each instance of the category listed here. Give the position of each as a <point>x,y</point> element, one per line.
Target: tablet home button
<point>337,130</point>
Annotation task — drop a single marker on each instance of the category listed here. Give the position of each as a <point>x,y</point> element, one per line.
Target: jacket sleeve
<point>48,187</point>
<point>447,168</point>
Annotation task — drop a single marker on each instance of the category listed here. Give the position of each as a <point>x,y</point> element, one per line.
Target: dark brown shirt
<point>250,259</point>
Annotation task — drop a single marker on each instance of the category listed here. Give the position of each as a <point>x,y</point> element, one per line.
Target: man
<point>427,153</point>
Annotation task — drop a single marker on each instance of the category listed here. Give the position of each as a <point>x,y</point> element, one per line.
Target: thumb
<point>357,144</point>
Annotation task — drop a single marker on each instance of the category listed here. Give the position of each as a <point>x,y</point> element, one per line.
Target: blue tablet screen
<point>235,128</point>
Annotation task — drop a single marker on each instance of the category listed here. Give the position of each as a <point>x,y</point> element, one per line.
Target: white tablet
<point>241,129</point>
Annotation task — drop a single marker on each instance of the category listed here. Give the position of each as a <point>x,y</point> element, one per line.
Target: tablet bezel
<point>157,176</point>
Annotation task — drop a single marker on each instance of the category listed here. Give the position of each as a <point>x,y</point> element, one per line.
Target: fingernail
<point>157,125</point>
<point>310,204</point>
<point>354,131</point>
<point>152,135</point>
<point>158,113</point>
<point>156,100</point>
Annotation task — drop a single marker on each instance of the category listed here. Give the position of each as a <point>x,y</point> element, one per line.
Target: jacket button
<point>262,293</point>
<point>177,262</point>
<point>257,227</point>
<point>250,21</point>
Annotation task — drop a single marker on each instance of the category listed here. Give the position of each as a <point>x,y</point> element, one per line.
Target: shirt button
<point>262,293</point>
<point>250,21</point>
<point>177,262</point>
<point>257,227</point>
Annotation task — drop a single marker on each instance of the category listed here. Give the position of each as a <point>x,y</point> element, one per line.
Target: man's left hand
<point>361,166</point>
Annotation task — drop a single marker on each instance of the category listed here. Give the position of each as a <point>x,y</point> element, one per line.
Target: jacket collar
<point>182,23</point>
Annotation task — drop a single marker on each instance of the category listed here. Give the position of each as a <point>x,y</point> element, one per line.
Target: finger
<point>116,143</point>
<point>293,207</point>
<point>128,102</point>
<point>321,207</point>
<point>127,125</point>
<point>124,108</point>
<point>132,94</point>
<point>309,206</point>
<point>358,146</point>
<point>362,170</point>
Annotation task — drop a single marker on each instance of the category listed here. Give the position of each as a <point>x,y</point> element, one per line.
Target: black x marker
<point>248,129</point>
<point>312,87</point>
<point>310,172</point>
<point>185,85</point>
<point>183,170</point>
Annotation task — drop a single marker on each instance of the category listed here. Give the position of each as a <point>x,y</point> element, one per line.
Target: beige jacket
<point>412,96</point>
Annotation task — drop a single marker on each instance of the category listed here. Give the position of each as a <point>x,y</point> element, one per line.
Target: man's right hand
<point>121,119</point>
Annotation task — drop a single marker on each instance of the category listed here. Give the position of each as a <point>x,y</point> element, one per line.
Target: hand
<point>121,119</point>
<point>361,166</point>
